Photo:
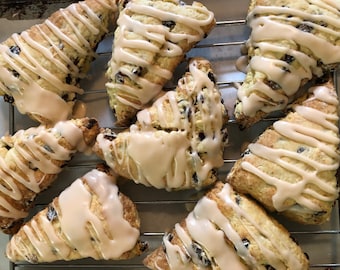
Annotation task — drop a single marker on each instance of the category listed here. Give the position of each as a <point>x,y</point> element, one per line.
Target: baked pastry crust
<point>178,142</point>
<point>290,43</point>
<point>227,230</point>
<point>30,161</point>
<point>291,168</point>
<point>40,68</point>
<point>90,218</point>
<point>150,41</point>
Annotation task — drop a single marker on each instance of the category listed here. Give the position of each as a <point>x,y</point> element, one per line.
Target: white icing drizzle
<point>76,217</point>
<point>165,45</point>
<point>283,253</point>
<point>34,66</point>
<point>208,227</point>
<point>176,257</point>
<point>325,139</point>
<point>201,226</point>
<point>36,147</point>
<point>58,49</point>
<point>28,93</point>
<point>172,171</point>
<point>271,24</point>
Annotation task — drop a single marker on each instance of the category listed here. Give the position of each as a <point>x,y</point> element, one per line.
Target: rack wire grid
<point>160,210</point>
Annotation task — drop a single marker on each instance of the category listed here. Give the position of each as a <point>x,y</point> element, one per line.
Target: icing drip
<point>35,149</point>
<point>83,229</point>
<point>32,83</point>
<point>154,40</point>
<point>207,226</point>
<point>326,141</point>
<point>144,146</point>
<point>271,25</point>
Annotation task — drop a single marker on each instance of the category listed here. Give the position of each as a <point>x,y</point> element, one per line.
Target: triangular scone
<point>290,42</point>
<point>227,230</point>
<point>30,161</point>
<point>291,168</point>
<point>178,142</point>
<point>40,68</point>
<point>90,218</point>
<point>150,41</point>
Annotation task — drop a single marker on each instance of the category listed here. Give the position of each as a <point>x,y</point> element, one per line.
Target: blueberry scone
<point>150,41</point>
<point>40,68</point>
<point>90,218</point>
<point>178,142</point>
<point>227,230</point>
<point>290,43</point>
<point>30,161</point>
<point>291,168</point>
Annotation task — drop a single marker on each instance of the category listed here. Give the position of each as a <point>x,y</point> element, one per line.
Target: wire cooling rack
<point>160,210</point>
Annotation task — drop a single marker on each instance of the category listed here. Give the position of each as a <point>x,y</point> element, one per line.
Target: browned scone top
<point>90,218</point>
<point>151,39</point>
<point>30,161</point>
<point>227,230</point>
<point>291,42</point>
<point>178,142</point>
<point>291,168</point>
<point>41,67</point>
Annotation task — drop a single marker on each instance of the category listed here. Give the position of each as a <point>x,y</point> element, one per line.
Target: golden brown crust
<point>132,216</point>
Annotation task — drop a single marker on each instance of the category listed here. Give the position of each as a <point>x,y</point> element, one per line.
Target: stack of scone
<point>291,167</point>
<point>40,72</point>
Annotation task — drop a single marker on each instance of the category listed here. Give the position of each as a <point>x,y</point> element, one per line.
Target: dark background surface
<point>30,9</point>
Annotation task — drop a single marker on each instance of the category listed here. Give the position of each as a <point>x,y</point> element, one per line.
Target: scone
<point>40,68</point>
<point>291,168</point>
<point>90,218</point>
<point>290,43</point>
<point>30,161</point>
<point>150,41</point>
<point>227,230</point>
<point>178,142</point>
